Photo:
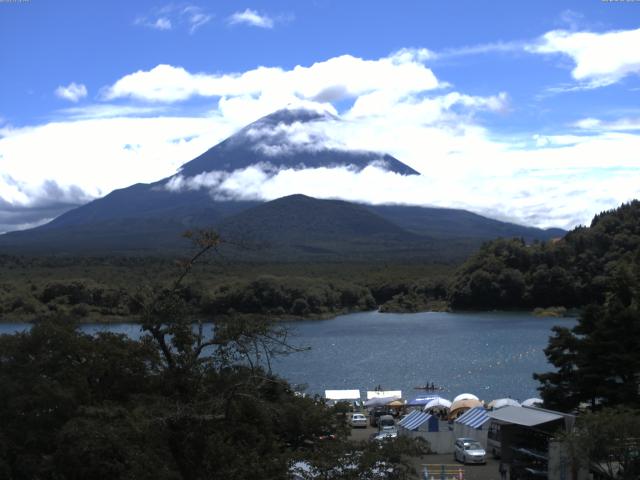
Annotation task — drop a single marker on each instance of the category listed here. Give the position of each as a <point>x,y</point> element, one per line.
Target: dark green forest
<point>108,289</point>
<point>177,404</point>
<point>569,272</point>
<point>574,271</point>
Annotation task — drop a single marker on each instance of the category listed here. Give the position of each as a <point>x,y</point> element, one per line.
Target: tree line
<point>25,294</point>
<point>597,362</point>
<point>573,271</point>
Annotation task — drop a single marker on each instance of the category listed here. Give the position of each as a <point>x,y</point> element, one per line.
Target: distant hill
<point>149,218</point>
<point>450,223</point>
<point>299,225</point>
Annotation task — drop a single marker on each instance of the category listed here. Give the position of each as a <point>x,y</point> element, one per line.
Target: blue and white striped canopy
<point>474,418</point>
<point>414,420</point>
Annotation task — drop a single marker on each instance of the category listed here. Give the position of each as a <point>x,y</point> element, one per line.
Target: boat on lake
<point>429,388</point>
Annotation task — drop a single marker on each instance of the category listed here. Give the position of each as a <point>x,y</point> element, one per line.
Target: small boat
<point>429,388</point>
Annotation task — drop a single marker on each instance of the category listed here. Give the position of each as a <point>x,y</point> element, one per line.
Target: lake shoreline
<point>551,312</point>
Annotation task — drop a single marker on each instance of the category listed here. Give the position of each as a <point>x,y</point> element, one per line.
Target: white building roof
<point>342,394</point>
<point>524,416</point>
<point>384,394</point>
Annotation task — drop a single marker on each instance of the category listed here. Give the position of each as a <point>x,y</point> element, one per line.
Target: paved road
<point>471,472</point>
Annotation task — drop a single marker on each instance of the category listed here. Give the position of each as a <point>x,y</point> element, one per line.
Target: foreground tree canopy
<point>607,443</point>
<point>179,403</point>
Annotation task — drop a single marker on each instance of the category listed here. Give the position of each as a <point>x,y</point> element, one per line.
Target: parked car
<point>388,429</point>
<point>469,450</point>
<point>358,420</point>
<point>386,434</point>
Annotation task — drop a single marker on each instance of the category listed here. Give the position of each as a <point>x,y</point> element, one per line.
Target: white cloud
<point>196,17</point>
<point>595,124</point>
<point>162,23</point>
<point>95,111</point>
<point>252,18</point>
<point>346,76</point>
<point>72,92</point>
<point>533,197</point>
<point>90,158</point>
<point>395,104</point>
<point>168,17</point>
<point>481,49</point>
<point>600,59</point>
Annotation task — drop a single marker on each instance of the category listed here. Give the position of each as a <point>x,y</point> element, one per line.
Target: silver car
<point>469,450</point>
<point>358,420</point>
<point>388,434</point>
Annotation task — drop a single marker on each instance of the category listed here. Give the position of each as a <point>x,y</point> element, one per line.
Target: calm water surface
<point>492,355</point>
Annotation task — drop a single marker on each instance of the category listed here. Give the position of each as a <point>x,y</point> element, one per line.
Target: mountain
<point>147,218</point>
<point>298,226</point>
<point>270,141</point>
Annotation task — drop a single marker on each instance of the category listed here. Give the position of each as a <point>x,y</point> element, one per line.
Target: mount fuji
<point>149,218</point>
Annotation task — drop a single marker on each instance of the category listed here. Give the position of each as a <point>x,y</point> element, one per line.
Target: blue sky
<point>526,111</point>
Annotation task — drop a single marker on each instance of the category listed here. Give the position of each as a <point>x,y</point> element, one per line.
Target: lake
<point>492,355</point>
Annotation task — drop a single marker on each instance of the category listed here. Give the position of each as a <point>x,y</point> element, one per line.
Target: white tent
<point>383,393</point>
<point>338,395</point>
<point>503,402</point>
<point>460,406</point>
<point>380,401</point>
<point>437,402</point>
<point>465,396</point>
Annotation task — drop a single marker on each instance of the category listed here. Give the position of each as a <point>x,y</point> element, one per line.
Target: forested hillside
<point>571,272</point>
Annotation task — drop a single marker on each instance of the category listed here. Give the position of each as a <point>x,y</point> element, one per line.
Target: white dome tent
<point>437,402</point>
<point>532,402</point>
<point>502,402</point>
<point>465,396</point>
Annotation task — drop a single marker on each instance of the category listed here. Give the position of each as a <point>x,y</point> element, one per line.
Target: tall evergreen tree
<point>598,361</point>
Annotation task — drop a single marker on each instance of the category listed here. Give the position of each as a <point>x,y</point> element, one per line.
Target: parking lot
<point>489,471</point>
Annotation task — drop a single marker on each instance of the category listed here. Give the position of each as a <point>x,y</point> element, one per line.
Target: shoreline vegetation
<point>555,278</point>
<point>109,289</point>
